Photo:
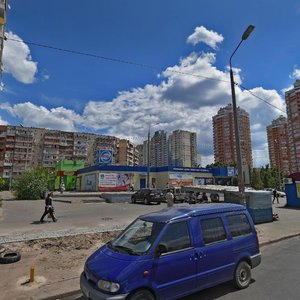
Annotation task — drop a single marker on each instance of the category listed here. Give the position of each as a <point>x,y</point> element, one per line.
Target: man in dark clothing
<point>48,208</point>
<point>275,196</point>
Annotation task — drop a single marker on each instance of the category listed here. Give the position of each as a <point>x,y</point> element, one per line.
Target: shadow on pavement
<point>215,292</point>
<point>208,294</point>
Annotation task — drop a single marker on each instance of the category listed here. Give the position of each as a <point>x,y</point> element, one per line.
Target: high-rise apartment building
<point>159,149</point>
<point>224,136</point>
<point>292,99</point>
<point>278,143</point>
<point>140,149</point>
<point>183,149</point>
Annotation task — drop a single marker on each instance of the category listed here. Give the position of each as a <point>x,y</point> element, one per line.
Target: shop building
<point>123,178</point>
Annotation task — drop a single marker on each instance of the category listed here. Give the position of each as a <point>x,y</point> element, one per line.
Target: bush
<point>4,184</point>
<point>31,185</point>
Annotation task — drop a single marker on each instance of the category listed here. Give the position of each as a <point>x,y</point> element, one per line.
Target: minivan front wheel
<point>141,295</point>
<point>242,276</point>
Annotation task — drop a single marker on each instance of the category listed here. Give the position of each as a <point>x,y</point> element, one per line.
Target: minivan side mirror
<point>160,249</point>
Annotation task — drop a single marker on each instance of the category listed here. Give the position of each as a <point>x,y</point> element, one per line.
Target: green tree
<point>256,183</point>
<point>31,184</point>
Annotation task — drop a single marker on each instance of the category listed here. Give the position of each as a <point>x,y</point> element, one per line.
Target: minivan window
<point>138,237</point>
<point>212,230</point>
<point>176,237</point>
<point>238,225</point>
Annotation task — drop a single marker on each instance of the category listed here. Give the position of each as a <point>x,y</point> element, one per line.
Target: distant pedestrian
<point>191,199</point>
<point>275,196</point>
<point>169,198</point>
<point>204,197</point>
<point>62,187</point>
<point>48,208</point>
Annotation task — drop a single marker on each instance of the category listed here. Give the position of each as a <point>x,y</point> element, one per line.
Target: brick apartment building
<point>278,144</point>
<point>224,136</point>
<point>23,148</point>
<point>292,99</point>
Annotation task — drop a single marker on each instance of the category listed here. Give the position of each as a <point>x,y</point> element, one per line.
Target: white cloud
<point>295,74</point>
<point>39,116</point>
<point>17,60</point>
<point>209,37</point>
<point>178,102</point>
<point>3,122</point>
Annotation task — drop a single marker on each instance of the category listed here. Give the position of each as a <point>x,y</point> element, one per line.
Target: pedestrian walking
<point>275,196</point>
<point>48,208</point>
<point>169,198</point>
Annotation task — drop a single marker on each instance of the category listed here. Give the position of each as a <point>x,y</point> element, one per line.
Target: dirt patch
<point>59,260</point>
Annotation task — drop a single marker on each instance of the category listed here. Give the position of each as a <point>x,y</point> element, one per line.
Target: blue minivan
<point>174,252</point>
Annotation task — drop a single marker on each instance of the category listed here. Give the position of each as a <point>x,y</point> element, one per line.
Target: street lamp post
<point>148,154</point>
<point>241,183</point>
<point>278,160</point>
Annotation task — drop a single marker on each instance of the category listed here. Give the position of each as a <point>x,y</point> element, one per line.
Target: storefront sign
<point>105,156</point>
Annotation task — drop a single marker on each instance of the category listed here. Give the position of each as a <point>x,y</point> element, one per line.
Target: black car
<point>147,196</point>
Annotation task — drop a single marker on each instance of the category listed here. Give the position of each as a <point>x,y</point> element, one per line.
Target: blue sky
<point>60,90</point>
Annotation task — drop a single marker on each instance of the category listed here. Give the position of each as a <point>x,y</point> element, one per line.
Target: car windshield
<point>137,238</point>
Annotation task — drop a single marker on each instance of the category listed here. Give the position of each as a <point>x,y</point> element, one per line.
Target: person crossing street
<point>48,208</point>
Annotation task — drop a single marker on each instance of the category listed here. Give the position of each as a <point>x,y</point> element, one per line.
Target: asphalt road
<point>21,218</point>
<point>278,277</point>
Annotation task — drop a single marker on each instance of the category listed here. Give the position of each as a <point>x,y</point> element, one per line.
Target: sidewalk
<point>66,280</point>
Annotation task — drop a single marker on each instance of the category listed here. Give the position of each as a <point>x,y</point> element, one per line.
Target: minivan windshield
<point>137,238</point>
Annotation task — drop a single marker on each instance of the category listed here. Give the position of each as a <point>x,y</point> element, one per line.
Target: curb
<point>68,294</point>
<point>279,239</point>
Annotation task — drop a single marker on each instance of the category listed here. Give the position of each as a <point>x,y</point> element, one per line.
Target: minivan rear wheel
<point>141,295</point>
<point>242,276</point>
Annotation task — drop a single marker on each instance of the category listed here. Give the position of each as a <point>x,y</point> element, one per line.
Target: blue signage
<point>230,171</point>
<point>105,156</point>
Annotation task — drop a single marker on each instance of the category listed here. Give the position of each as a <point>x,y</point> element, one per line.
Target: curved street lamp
<point>241,183</point>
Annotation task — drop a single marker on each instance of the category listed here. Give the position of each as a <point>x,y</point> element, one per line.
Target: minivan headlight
<point>108,286</point>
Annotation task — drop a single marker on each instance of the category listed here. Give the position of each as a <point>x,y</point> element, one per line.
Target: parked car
<point>279,193</point>
<point>148,196</point>
<point>175,252</point>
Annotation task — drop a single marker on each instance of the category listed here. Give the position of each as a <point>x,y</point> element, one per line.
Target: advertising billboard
<point>115,181</point>
<point>180,180</point>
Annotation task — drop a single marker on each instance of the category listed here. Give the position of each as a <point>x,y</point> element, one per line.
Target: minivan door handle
<point>201,254</point>
<point>195,256</point>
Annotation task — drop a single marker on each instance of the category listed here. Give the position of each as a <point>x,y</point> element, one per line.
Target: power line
<point>117,60</point>
<point>246,89</point>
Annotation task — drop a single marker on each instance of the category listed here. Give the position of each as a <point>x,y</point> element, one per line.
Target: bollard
<point>31,274</point>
